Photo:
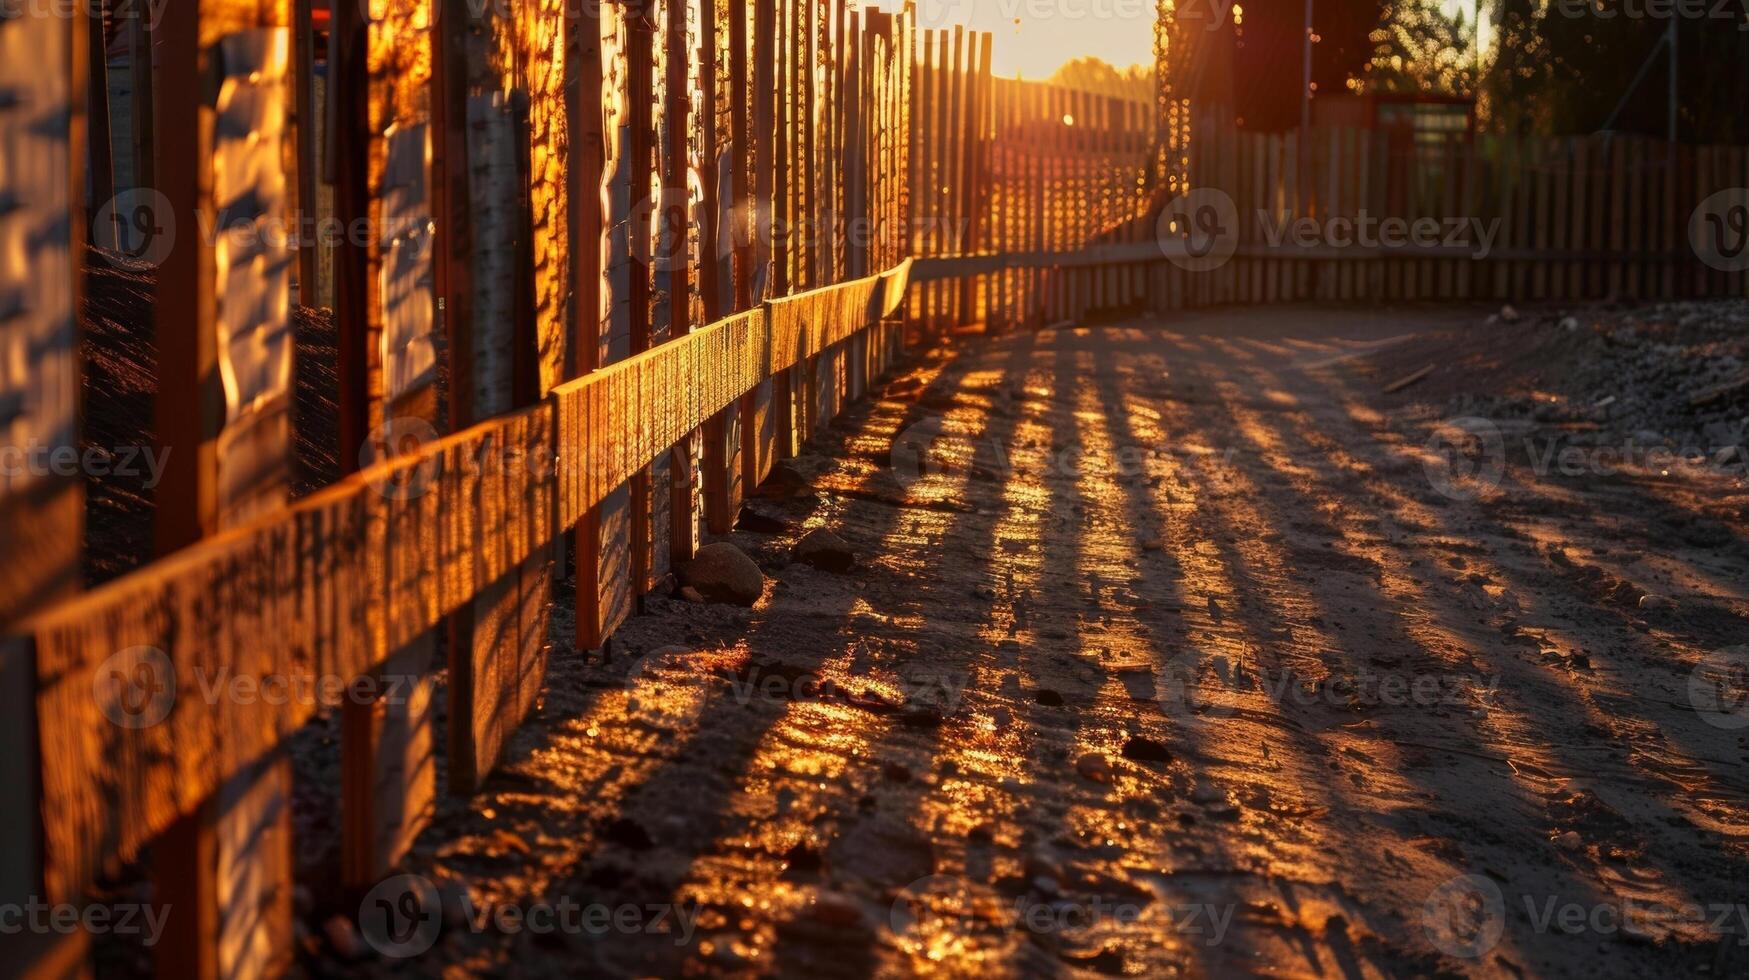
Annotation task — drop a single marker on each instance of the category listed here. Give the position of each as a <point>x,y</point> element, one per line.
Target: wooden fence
<point>616,260</point>
<point>619,259</point>
<point>1336,216</point>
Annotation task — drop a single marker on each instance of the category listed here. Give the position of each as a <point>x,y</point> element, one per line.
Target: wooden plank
<point>617,566</point>
<point>586,176</point>
<point>674,259</point>
<point>388,763</point>
<point>717,438</point>
<point>1618,217</point>
<point>306,170</point>
<point>971,186</point>
<point>224,867</point>
<point>647,487</point>
<point>40,513</point>
<point>42,127</point>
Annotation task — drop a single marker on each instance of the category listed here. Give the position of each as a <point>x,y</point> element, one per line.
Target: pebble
<point>836,910</point>
<point>1650,602</point>
<point>1143,749</point>
<point>1208,794</point>
<point>1570,841</point>
<point>824,550</point>
<point>343,938</point>
<point>1095,767</point>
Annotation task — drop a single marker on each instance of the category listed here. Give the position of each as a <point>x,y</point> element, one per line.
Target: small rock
<point>1208,795</point>
<point>1508,314</point>
<point>1646,437</point>
<point>343,938</point>
<point>784,482</point>
<point>628,833</point>
<point>1153,544</point>
<point>1142,749</point>
<point>1047,697</point>
<point>721,572</point>
<point>803,858</point>
<point>691,594</point>
<point>836,910</point>
<point>1570,841</point>
<point>1569,323</point>
<point>1650,602</point>
<point>896,773</point>
<point>759,521</point>
<point>1095,767</point>
<point>826,551</point>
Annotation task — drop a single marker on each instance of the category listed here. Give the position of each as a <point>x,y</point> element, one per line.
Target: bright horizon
<point>1033,38</point>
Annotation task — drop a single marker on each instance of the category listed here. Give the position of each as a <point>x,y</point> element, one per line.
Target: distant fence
<point>1381,215</point>
<point>1073,223</point>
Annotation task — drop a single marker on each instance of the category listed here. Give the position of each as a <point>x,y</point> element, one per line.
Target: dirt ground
<point>1172,648</point>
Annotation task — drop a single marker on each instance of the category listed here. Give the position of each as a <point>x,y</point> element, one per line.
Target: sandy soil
<point>1179,649</point>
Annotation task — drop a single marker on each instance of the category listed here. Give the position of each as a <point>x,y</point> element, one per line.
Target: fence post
<point>224,870</point>
<point>676,258</point>
<point>385,306</point>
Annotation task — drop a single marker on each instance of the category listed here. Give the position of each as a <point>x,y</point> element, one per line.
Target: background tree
<point>1091,74</point>
<point>1418,47</point>
<point>1562,67</point>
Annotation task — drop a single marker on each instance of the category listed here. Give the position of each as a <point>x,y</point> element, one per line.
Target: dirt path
<point>1173,655</point>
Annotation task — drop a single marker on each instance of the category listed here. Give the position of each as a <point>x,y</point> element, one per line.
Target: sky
<point>1033,38</point>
